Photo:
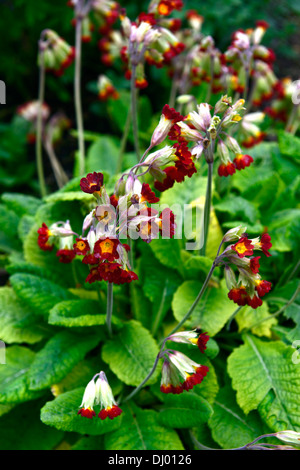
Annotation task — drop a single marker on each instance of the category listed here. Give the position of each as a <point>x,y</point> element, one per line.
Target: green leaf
<point>103,155</point>
<point>238,207</point>
<point>14,376</point>
<point>13,313</point>
<point>258,368</point>
<point>289,144</point>
<point>211,313</point>
<point>196,267</point>
<point>62,414</point>
<point>229,425</point>
<point>284,227</point>
<point>21,204</point>
<point>9,240</point>
<point>131,354</point>
<point>32,434</point>
<point>39,294</point>
<point>168,252</point>
<point>247,317</point>
<point>143,432</point>
<point>184,411</point>
<point>58,357</point>
<point>60,196</point>
<point>70,313</point>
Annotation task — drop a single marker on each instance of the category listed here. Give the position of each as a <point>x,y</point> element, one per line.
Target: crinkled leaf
<point>184,411</point>
<point>58,357</point>
<point>78,313</point>
<point>258,368</point>
<point>39,294</point>
<point>211,313</point>
<point>229,425</point>
<point>247,317</point>
<point>131,354</point>
<point>13,315</point>
<point>14,376</point>
<point>143,432</point>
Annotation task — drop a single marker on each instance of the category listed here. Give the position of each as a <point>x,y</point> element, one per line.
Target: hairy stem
<point>134,112</point>
<point>109,307</point>
<point>77,91</point>
<point>124,141</point>
<point>207,207</point>
<point>39,127</point>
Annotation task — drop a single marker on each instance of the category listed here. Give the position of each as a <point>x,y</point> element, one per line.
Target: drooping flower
<point>88,401</point>
<point>176,366</point>
<point>195,337</point>
<point>99,393</point>
<point>109,407</point>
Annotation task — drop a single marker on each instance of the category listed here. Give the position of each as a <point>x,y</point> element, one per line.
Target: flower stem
<point>124,141</point>
<point>109,307</point>
<point>39,125</point>
<point>134,112</point>
<point>207,207</point>
<point>77,91</point>
<point>196,301</point>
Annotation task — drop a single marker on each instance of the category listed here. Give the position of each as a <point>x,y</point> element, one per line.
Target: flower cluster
<point>106,89</point>
<point>178,366</point>
<point>150,39</point>
<point>98,392</point>
<point>112,219</point>
<point>29,111</point>
<point>249,288</point>
<point>55,53</point>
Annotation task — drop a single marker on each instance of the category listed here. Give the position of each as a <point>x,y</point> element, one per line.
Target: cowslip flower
<point>98,392</point>
<point>249,288</point>
<point>195,337</point>
<point>178,366</point>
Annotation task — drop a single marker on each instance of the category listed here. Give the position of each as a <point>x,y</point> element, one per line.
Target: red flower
<point>171,114</point>
<point>254,302</point>
<point>106,249</point>
<point>165,7</point>
<point>148,195</point>
<point>167,225</point>
<point>241,161</point>
<point>81,247</point>
<point>66,255</point>
<point>114,200</point>
<point>110,413</point>
<point>243,247</point>
<point>202,340</point>
<point>195,378</point>
<point>239,296</point>
<point>263,287</point>
<point>90,259</point>
<point>93,276</point>
<point>44,234</point>
<point>176,390</point>
<point>147,18</point>
<point>254,264</point>
<point>87,413</point>
<point>226,170</point>
<point>265,243</point>
<point>92,183</point>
